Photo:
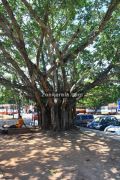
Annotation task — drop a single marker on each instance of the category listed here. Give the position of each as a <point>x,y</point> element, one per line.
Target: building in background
<point>8,109</point>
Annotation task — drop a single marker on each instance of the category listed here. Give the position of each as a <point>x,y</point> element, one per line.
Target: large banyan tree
<point>56,51</point>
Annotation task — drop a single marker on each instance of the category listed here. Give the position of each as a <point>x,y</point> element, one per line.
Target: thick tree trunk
<point>58,117</point>
<point>45,118</point>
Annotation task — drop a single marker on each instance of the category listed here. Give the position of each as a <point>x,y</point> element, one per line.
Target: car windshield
<point>97,119</point>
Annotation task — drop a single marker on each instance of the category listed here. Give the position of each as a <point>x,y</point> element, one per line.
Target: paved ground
<point>72,155</point>
<point>100,133</point>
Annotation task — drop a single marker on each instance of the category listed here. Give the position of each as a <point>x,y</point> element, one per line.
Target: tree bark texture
<point>57,117</point>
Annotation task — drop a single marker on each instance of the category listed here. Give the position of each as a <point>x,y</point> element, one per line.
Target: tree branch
<point>71,40</point>
<point>39,49</point>
<point>14,22</point>
<point>113,5</point>
<point>7,27</point>
<point>15,85</point>
<point>32,68</point>
<point>8,57</point>
<point>102,77</point>
<point>44,27</point>
<point>41,40</point>
<point>34,14</point>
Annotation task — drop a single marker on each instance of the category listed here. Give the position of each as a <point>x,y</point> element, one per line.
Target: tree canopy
<point>100,96</point>
<point>58,46</point>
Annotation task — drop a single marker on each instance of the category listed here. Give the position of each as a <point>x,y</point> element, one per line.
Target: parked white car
<point>112,129</point>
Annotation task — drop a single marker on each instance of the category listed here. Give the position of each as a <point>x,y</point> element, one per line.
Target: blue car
<point>83,119</point>
<point>100,123</point>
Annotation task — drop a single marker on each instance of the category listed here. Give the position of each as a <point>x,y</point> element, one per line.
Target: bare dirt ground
<point>65,156</point>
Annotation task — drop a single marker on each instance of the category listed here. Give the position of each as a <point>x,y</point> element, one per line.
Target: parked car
<point>83,119</point>
<point>112,129</point>
<point>102,122</point>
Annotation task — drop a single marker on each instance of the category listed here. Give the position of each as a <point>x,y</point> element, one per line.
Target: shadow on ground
<point>64,156</point>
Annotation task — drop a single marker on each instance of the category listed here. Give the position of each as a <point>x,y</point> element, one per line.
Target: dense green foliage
<point>100,96</point>
<point>66,18</point>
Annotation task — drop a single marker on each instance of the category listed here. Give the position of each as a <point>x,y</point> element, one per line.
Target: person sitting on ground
<point>19,123</point>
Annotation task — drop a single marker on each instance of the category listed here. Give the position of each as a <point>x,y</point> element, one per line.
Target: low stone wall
<point>16,130</point>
